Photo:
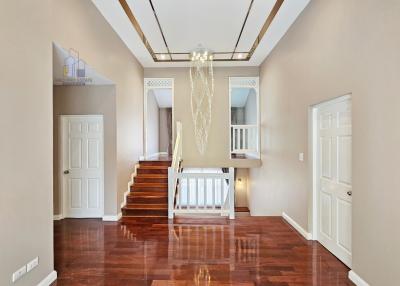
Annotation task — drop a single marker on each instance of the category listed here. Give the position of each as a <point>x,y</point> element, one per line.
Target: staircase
<point>148,196</point>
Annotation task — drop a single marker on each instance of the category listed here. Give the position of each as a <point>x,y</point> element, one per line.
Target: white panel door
<point>334,146</point>
<point>82,166</point>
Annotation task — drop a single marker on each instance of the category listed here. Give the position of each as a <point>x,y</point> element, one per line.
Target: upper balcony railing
<point>244,139</point>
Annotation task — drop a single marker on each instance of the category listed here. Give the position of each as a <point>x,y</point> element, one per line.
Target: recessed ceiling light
<point>162,57</point>
<point>240,56</point>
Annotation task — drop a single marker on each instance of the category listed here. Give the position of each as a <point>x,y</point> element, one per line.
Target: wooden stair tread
<point>150,184</point>
<point>149,193</point>
<point>155,162</point>
<point>126,217</point>
<point>242,209</point>
<point>147,196</point>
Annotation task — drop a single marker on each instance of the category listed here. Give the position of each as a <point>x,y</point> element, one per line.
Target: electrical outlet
<point>32,264</point>
<point>301,157</point>
<point>19,273</point>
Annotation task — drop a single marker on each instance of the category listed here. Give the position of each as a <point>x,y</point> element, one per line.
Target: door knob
<point>66,172</point>
<point>349,193</point>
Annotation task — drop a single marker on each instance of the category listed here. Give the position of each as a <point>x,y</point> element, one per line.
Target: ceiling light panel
<point>180,56</point>
<point>213,24</point>
<point>143,13</point>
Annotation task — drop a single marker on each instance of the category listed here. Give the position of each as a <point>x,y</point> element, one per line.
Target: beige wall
<point>152,124</point>
<point>217,153</point>
<point>26,197</point>
<point>334,48</point>
<point>84,100</point>
<point>164,138</point>
<point>78,24</point>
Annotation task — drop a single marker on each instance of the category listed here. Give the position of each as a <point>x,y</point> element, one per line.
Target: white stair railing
<point>244,139</point>
<point>203,193</point>
<point>175,168</point>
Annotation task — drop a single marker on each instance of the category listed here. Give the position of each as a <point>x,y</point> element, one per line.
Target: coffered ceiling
<point>162,33</point>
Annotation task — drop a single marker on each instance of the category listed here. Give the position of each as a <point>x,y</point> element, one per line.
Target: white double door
<point>334,177</point>
<point>82,165</point>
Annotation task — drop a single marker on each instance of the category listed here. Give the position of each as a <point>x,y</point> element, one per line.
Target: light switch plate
<point>32,264</point>
<point>19,273</point>
<point>301,157</point>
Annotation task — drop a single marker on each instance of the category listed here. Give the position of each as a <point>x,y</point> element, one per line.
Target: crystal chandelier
<point>202,91</point>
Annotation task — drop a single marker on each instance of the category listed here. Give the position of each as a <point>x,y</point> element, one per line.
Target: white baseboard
<point>112,217</point>
<point>297,227</point>
<point>357,279</point>
<point>155,155</point>
<point>48,279</point>
<point>58,217</point>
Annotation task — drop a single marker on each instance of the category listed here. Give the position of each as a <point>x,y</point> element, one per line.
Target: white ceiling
<point>163,97</point>
<point>213,24</point>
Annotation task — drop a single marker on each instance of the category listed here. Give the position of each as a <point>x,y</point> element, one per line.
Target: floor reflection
<point>246,251</point>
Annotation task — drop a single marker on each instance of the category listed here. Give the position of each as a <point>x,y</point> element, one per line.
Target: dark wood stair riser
<point>149,193</point>
<point>152,171</point>
<point>157,180</point>
<point>144,212</point>
<point>135,188</point>
<point>147,199</point>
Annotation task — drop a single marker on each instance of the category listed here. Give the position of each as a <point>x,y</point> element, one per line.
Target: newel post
<point>231,193</point>
<point>171,180</point>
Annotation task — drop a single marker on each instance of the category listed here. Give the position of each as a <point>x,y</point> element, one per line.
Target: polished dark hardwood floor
<point>202,252</point>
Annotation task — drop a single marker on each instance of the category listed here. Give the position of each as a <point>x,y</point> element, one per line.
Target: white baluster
<point>205,189</point>
<point>188,194</point>
<point>197,193</point>
<point>221,193</point>
<point>213,193</point>
<point>180,192</point>
<point>245,130</point>
<point>231,194</point>
<point>171,192</point>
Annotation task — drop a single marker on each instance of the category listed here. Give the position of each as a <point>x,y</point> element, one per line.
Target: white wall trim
<point>357,279</point>
<point>296,226</point>
<point>112,217</point>
<point>130,183</point>
<point>146,89</point>
<point>235,82</point>
<point>154,155</point>
<point>58,217</point>
<point>49,279</point>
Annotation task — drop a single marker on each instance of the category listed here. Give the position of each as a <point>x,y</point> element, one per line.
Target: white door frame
<point>313,214</point>
<point>61,185</point>
<point>314,156</point>
<point>156,83</point>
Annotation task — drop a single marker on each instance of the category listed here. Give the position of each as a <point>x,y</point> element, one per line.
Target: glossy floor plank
<point>153,252</point>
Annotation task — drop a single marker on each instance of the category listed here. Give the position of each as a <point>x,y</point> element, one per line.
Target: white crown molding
<point>49,279</point>
<point>357,279</point>
<point>297,227</point>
